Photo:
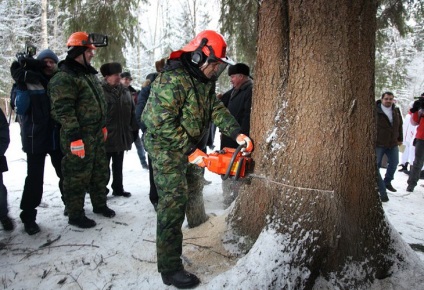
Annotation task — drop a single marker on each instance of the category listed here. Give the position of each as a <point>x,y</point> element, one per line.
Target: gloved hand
<point>77,148</point>
<point>20,57</point>
<point>197,158</point>
<point>104,131</point>
<point>416,106</point>
<point>243,139</point>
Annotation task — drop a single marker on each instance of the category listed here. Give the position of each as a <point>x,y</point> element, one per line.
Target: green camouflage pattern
<point>172,114</point>
<point>88,174</point>
<point>78,104</point>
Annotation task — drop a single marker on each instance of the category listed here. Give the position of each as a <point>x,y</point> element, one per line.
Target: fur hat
<point>126,74</point>
<point>160,64</point>
<point>239,68</point>
<point>111,68</point>
<point>47,53</point>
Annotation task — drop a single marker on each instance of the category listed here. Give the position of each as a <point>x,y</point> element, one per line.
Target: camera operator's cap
<point>47,53</point>
<point>111,68</point>
<point>126,74</point>
<point>239,68</point>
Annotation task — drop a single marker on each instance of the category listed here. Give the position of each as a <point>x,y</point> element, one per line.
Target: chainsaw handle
<point>227,173</point>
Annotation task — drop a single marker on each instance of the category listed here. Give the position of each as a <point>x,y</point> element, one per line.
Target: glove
<point>416,106</point>
<point>20,57</point>
<point>197,158</point>
<point>104,131</point>
<point>244,140</point>
<point>77,148</point>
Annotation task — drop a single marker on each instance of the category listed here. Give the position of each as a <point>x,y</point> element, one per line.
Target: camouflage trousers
<point>88,174</point>
<point>179,185</point>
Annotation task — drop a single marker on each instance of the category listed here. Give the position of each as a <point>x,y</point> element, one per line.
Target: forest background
<point>142,31</point>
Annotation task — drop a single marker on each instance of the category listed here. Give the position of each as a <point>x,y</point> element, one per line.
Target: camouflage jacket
<point>180,110</point>
<point>77,100</point>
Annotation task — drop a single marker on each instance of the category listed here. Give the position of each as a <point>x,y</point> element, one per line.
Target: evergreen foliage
<point>113,18</point>
<point>239,25</point>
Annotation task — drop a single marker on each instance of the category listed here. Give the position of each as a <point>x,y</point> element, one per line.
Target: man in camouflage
<point>180,108</point>
<point>78,104</point>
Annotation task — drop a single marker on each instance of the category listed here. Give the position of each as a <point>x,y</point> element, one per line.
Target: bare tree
<point>44,33</point>
<point>313,126</point>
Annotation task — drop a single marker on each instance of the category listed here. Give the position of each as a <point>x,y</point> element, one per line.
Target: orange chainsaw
<point>229,162</point>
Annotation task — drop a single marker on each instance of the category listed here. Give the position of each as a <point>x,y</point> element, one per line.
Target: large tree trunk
<point>313,127</point>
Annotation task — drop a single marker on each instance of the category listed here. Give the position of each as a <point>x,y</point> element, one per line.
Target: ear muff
<point>197,55</point>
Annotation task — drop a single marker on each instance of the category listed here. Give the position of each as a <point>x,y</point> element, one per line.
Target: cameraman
<point>417,111</point>
<point>39,133</point>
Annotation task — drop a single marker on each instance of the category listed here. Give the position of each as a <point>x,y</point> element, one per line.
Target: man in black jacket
<point>120,122</point>
<point>238,101</point>
<point>39,132</point>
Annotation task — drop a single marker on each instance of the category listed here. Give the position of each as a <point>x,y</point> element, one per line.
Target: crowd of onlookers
<point>85,124</point>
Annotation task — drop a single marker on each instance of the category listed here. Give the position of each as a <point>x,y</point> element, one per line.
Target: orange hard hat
<point>205,40</point>
<point>79,39</point>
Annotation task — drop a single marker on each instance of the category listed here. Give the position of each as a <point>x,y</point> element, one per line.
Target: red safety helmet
<point>210,42</point>
<point>79,39</point>
<point>91,40</point>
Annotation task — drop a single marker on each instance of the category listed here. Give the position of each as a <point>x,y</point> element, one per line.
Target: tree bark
<point>313,126</point>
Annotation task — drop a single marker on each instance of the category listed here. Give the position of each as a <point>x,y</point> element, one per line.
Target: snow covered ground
<point>119,253</point>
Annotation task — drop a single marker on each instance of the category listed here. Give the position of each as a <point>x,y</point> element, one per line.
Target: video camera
<point>30,51</point>
<point>418,105</point>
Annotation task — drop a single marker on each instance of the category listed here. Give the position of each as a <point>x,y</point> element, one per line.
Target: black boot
<point>105,211</point>
<point>82,222</point>
<point>180,279</point>
<point>7,223</point>
<point>31,228</point>
<point>121,193</point>
<point>403,167</point>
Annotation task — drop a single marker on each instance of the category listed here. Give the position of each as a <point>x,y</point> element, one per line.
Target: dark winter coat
<point>4,141</point>
<point>239,103</point>
<point>388,135</point>
<point>120,119</point>
<point>142,98</point>
<point>39,132</point>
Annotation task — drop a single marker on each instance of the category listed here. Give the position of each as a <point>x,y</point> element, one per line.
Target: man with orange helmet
<point>181,106</point>
<point>79,105</point>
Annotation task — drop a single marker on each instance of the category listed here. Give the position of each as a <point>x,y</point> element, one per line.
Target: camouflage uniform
<point>78,104</point>
<point>176,119</point>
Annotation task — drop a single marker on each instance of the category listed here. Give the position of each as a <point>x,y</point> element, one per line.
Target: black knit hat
<point>47,53</point>
<point>111,68</point>
<point>239,68</point>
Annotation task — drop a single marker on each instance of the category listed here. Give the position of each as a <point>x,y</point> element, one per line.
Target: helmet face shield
<point>213,67</point>
<point>98,40</point>
<point>218,70</point>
